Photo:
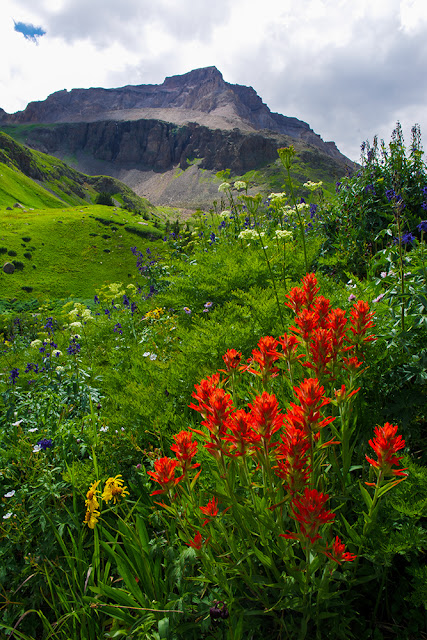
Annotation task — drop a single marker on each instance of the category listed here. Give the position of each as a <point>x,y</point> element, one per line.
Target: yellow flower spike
<point>114,489</point>
<point>91,501</point>
<point>91,518</point>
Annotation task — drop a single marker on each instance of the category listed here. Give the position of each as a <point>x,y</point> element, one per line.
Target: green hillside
<point>69,251</point>
<point>40,180</point>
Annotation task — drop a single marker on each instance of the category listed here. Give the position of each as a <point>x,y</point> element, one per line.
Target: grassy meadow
<point>215,428</point>
<point>69,252</point>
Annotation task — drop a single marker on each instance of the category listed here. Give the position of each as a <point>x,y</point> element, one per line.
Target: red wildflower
<point>321,309</point>
<point>242,434</point>
<point>296,298</point>
<point>203,393</point>
<point>185,449</point>
<point>265,416</point>
<point>337,552</point>
<point>218,408</point>
<point>310,289</point>
<point>386,444</point>
<point>309,512</point>
<point>290,344</point>
<point>293,463</point>
<point>306,324</point>
<point>352,365</point>
<point>342,395</point>
<point>196,542</point>
<point>164,474</point>
<point>311,397</point>
<point>337,325</point>
<point>264,357</point>
<point>361,321</point>
<point>210,510</point>
<point>320,349</point>
<point>232,359</point>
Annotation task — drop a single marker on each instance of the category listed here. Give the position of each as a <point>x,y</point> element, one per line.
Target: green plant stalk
<point>273,282</point>
<point>401,270</point>
<point>300,223</point>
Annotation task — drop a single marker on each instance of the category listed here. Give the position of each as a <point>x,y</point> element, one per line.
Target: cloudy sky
<point>350,69</point>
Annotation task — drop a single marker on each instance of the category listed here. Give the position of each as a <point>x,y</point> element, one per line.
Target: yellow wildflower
<point>91,518</point>
<point>91,501</point>
<point>114,489</point>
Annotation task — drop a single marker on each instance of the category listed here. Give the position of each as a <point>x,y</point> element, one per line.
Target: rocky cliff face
<point>152,145</point>
<point>202,94</point>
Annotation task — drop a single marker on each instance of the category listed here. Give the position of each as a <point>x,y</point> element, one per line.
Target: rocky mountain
<point>195,122</point>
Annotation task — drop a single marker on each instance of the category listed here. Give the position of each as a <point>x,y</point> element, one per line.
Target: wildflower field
<point>230,442</point>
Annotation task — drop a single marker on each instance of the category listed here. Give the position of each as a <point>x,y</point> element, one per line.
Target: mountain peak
<point>196,76</point>
<point>200,96</point>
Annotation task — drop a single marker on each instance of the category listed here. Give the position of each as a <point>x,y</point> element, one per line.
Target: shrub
<point>105,199</point>
<point>12,253</point>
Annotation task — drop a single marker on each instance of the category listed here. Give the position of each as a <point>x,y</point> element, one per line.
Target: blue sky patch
<point>29,31</point>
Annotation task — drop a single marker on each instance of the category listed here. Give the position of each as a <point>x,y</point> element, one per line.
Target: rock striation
<point>200,96</point>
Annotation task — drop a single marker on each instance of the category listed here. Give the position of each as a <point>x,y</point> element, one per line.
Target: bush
<point>105,199</point>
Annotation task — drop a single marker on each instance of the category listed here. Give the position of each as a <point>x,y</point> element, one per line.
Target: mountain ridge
<point>200,91</point>
<point>167,142</point>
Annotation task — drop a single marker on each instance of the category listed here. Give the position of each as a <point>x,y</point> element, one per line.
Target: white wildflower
<point>7,515</point>
<point>312,185</point>
<point>75,325</point>
<point>239,184</point>
<point>284,235</point>
<point>277,196</point>
<point>10,494</point>
<point>104,429</point>
<point>36,344</point>
<point>224,186</point>
<point>56,353</point>
<point>37,448</point>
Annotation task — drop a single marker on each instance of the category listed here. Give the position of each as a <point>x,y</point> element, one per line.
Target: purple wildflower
<point>14,374</point>
<point>46,443</point>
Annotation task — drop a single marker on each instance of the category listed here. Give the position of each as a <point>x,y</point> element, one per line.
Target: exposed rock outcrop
<point>202,95</point>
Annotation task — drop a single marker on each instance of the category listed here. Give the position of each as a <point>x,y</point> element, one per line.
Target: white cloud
<point>348,69</point>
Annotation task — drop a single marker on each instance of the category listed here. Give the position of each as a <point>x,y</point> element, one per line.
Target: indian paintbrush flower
<point>386,445</point>
<point>210,510</point>
<point>309,512</point>
<point>164,474</point>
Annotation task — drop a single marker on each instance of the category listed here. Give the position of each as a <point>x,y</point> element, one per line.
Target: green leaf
<point>365,495</point>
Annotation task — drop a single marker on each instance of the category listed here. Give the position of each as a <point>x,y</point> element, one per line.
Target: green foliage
<point>70,241</point>
<point>105,199</point>
<point>387,193</point>
<point>120,389</point>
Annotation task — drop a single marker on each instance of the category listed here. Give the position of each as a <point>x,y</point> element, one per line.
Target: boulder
<point>8,267</point>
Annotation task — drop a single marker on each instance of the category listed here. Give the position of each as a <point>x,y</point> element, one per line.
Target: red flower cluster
<point>337,552</point>
<point>310,513</point>
<point>164,474</point>
<point>211,510</point>
<point>326,333</point>
<point>386,444</point>
<point>263,359</point>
